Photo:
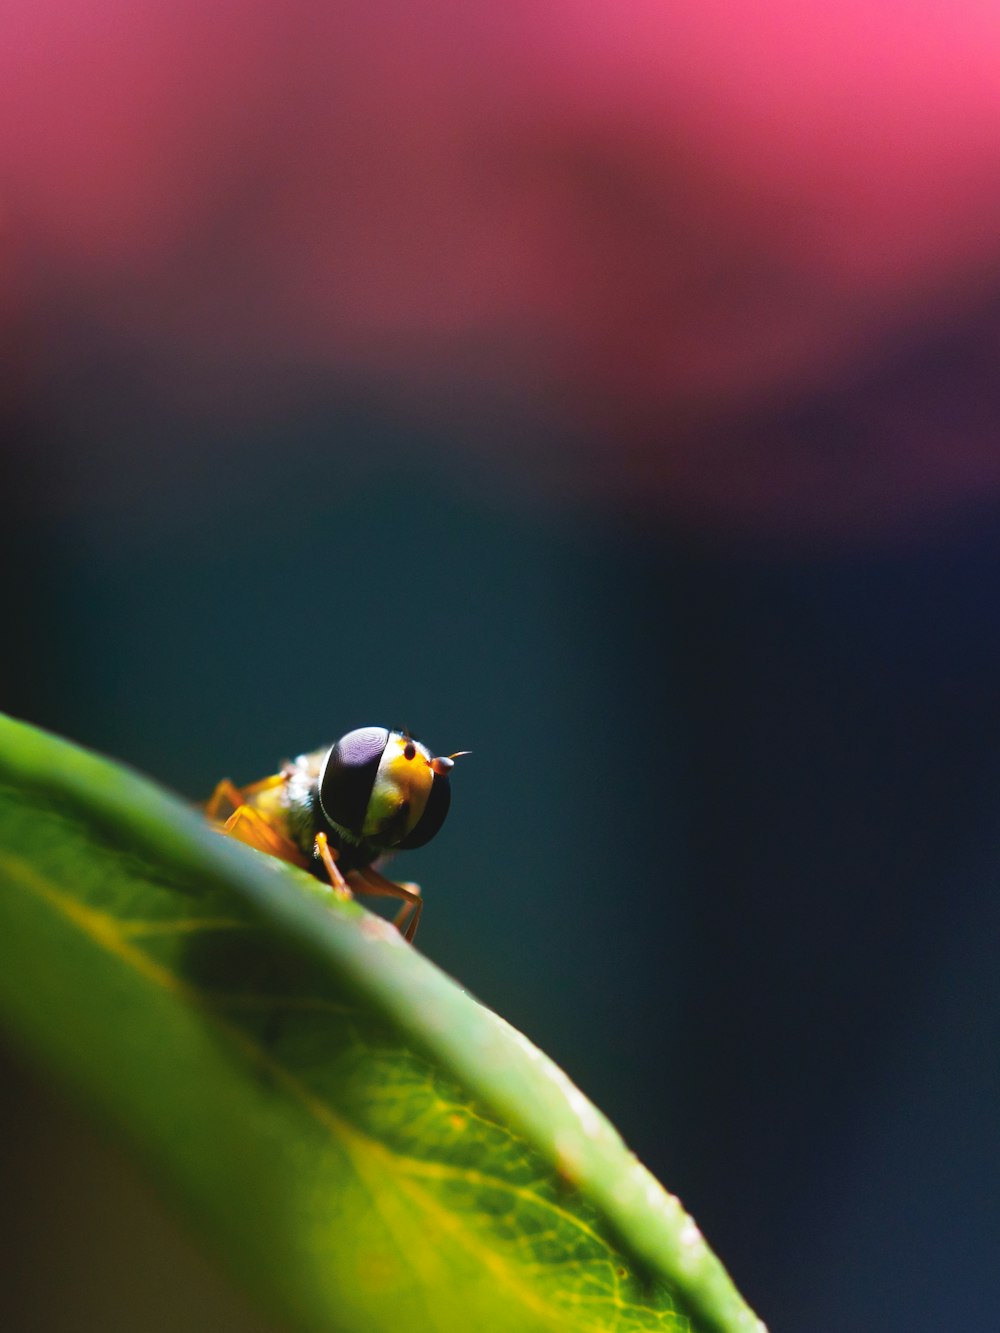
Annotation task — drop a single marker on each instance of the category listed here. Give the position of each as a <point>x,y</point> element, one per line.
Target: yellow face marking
<point>399,780</point>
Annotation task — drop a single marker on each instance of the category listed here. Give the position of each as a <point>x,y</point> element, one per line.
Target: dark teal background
<point>726,845</point>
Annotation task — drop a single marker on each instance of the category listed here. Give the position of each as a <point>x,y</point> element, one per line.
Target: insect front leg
<point>379,887</point>
<point>327,855</point>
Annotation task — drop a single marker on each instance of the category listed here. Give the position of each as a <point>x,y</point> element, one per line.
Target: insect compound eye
<point>438,801</point>
<point>348,777</point>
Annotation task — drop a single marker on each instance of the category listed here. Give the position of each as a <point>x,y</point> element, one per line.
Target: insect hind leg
<point>226,793</point>
<point>249,826</point>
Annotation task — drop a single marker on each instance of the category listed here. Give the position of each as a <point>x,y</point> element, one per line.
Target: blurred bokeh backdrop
<point>611,390</point>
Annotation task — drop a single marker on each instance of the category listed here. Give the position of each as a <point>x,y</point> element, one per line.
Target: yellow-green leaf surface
<point>367,1146</point>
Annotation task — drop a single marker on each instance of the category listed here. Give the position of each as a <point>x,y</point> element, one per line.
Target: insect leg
<point>248,825</point>
<point>400,916</point>
<point>380,887</point>
<point>225,791</point>
<point>265,784</point>
<point>326,854</point>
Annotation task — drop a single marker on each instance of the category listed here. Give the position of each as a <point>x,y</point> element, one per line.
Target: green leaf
<point>367,1146</point>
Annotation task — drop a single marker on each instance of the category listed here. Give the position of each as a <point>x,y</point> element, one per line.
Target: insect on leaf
<point>365,1145</point>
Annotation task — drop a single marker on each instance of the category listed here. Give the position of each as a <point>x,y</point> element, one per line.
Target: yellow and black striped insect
<point>336,811</point>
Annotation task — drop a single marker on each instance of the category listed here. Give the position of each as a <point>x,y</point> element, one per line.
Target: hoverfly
<point>335,811</point>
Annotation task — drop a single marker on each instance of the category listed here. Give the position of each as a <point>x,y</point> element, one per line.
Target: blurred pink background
<point>612,245</point>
